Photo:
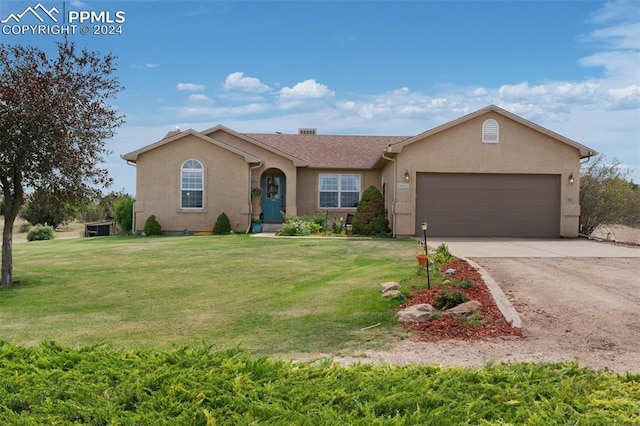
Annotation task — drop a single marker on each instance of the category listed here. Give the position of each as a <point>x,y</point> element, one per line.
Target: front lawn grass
<point>269,296</point>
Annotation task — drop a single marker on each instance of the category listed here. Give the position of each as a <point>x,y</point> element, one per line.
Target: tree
<point>54,120</point>
<point>124,213</point>
<point>606,196</point>
<point>47,208</point>
<point>371,217</point>
<point>103,208</point>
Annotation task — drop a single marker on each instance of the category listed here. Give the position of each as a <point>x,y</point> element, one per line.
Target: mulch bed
<point>493,326</point>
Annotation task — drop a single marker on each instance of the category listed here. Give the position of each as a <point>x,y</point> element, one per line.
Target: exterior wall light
<point>407,176</point>
<point>426,252</point>
<point>571,177</point>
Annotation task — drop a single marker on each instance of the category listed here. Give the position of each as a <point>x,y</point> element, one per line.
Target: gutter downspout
<point>250,203</point>
<point>395,185</point>
<point>133,207</point>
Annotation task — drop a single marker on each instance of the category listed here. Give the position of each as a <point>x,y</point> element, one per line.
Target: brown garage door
<point>488,205</point>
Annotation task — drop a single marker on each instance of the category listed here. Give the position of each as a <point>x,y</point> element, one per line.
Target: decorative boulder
<point>416,313</point>
<point>463,309</point>
<point>391,285</point>
<point>391,293</point>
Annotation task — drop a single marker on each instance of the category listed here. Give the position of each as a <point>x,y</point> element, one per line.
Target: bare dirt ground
<point>21,227</point>
<point>585,310</point>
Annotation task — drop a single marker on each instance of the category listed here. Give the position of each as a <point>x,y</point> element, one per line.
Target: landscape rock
<point>391,285</point>
<point>391,293</point>
<point>462,310</point>
<point>416,313</point>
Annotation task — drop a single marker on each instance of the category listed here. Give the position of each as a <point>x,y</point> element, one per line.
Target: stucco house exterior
<point>490,173</point>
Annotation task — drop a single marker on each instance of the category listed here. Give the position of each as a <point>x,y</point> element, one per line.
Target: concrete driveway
<point>530,247</point>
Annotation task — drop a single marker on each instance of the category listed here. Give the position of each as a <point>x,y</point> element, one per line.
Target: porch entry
<point>273,199</point>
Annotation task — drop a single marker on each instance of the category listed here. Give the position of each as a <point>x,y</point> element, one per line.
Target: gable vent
<point>490,131</point>
<point>307,131</point>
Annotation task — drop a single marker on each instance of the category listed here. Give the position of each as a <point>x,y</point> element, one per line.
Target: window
<point>490,131</point>
<point>339,191</point>
<point>191,185</point>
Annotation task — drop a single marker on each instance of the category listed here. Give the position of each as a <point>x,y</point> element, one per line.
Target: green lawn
<point>168,306</point>
<point>269,296</point>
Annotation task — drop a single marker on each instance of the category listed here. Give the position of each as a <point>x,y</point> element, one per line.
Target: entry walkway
<point>525,247</point>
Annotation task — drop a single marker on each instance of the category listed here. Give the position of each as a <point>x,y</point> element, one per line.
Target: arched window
<point>490,131</point>
<point>191,185</point>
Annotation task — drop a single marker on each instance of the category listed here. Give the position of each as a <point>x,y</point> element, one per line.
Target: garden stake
<point>426,252</point>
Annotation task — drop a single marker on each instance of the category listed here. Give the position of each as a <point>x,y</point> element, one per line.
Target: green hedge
<point>56,385</point>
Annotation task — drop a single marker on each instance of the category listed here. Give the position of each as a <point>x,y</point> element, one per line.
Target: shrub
<point>302,225</point>
<point>465,285</point>
<point>442,254</point>
<point>449,299</point>
<point>124,213</point>
<point>39,233</point>
<point>152,226</point>
<point>222,225</point>
<point>337,227</point>
<point>371,217</point>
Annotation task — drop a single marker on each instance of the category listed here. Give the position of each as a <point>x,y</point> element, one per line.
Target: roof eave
<point>296,161</point>
<point>133,156</point>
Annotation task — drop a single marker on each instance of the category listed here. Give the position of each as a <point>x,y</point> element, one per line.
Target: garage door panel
<point>483,205</point>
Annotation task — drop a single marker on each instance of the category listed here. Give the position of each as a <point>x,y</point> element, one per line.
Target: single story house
<point>490,173</point>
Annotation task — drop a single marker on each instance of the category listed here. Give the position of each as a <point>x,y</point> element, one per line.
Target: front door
<point>273,202</point>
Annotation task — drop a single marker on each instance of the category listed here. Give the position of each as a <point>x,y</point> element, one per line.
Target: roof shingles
<point>330,151</point>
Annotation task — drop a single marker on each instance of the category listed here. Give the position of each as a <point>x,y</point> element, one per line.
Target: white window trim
<point>183,169</point>
<point>339,175</point>
<point>490,132</point>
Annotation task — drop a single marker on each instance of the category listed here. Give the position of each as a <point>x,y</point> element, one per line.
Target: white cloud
<point>308,89</point>
<point>191,87</point>
<point>237,81</point>
<point>199,97</point>
<point>616,10</point>
<point>520,91</point>
<point>402,91</point>
<point>147,65</point>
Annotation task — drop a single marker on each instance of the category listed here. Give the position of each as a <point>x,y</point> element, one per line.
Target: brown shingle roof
<point>330,151</point>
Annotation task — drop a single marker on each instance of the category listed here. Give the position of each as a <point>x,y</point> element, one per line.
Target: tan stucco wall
<point>460,150</point>
<point>158,186</point>
<point>271,162</point>
<point>308,189</point>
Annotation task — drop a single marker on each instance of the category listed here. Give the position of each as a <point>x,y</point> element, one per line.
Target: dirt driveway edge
<point>508,311</point>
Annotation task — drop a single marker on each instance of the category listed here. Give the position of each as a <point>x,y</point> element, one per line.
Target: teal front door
<point>273,202</point>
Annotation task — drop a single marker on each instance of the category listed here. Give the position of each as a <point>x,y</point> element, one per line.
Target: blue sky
<point>366,67</point>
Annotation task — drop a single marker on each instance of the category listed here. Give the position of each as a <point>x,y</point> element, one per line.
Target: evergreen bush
<point>152,226</point>
<point>449,299</point>
<point>371,217</point>
<point>222,225</point>
<point>39,233</point>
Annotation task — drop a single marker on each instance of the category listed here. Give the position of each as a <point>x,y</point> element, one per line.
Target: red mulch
<point>494,324</point>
